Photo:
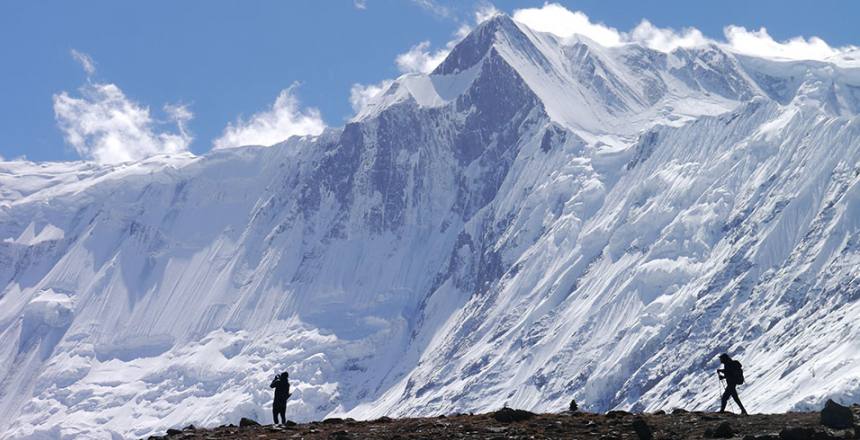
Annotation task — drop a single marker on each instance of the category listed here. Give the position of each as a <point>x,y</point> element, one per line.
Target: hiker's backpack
<point>738,372</point>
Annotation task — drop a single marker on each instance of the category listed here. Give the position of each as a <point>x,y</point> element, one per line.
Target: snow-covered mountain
<point>537,220</point>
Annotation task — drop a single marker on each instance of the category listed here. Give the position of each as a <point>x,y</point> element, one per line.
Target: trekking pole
<point>720,393</point>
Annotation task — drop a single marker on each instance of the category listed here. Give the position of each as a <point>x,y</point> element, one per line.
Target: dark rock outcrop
<point>836,416</point>
<point>643,431</point>
<point>246,422</point>
<point>617,414</point>
<point>723,430</point>
<point>510,415</point>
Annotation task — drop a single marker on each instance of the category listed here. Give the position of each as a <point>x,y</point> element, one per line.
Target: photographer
<point>281,384</point>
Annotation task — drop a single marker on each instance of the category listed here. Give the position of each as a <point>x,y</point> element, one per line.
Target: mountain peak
<point>474,46</point>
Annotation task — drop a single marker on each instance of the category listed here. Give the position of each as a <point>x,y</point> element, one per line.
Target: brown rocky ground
<point>613,425</point>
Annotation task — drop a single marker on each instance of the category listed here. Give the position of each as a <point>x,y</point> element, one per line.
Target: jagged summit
<point>498,30</point>
<point>623,90</point>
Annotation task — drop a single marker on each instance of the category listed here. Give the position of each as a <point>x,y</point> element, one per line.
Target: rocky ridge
<point>518,424</point>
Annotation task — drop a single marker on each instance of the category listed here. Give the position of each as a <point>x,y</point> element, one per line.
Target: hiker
<point>281,384</point>
<point>733,373</point>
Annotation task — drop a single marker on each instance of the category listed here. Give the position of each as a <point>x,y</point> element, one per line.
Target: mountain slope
<point>537,220</point>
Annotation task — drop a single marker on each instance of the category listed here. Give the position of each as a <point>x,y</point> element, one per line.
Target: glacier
<point>534,221</point>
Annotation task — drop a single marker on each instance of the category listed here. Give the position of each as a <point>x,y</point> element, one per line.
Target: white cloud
<point>564,23</point>
<point>760,43</point>
<point>485,12</point>
<point>105,126</point>
<point>284,119</point>
<point>665,39</point>
<point>360,4</point>
<point>360,95</point>
<point>462,32</point>
<point>85,61</point>
<point>180,114</point>
<point>419,59</point>
<point>434,7</point>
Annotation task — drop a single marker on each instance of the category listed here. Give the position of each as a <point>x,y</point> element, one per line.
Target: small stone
<point>172,432</point>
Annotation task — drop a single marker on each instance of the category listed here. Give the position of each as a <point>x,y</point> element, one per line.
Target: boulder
<point>643,431</point>
<point>509,415</point>
<point>573,406</point>
<point>340,435</point>
<point>246,422</point>
<point>723,430</point>
<point>797,433</point>
<point>172,432</point>
<point>836,416</point>
<point>617,414</point>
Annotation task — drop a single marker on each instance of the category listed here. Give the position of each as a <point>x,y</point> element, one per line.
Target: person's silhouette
<point>281,384</point>
<point>733,373</point>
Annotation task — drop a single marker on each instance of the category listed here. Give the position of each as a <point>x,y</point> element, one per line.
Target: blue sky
<point>219,60</point>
